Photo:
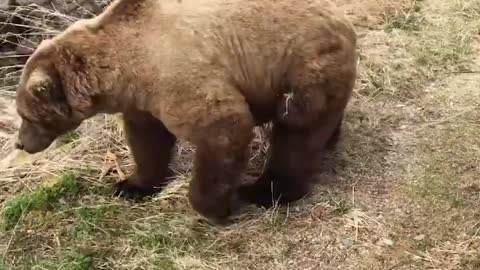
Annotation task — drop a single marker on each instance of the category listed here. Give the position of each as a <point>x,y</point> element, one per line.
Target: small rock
<point>416,258</point>
<point>348,243</point>
<point>387,242</point>
<point>419,237</point>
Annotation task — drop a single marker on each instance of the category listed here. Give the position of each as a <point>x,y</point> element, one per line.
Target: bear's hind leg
<point>295,156</point>
<point>332,142</point>
<point>151,145</point>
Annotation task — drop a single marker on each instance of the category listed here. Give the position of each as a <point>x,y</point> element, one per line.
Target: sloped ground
<point>400,192</point>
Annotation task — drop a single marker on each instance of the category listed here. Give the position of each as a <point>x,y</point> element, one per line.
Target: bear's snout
<point>33,138</point>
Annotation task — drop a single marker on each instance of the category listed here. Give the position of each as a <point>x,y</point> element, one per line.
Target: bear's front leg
<point>221,157</point>
<point>151,145</point>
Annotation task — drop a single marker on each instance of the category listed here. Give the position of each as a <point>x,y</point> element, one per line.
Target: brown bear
<point>204,71</point>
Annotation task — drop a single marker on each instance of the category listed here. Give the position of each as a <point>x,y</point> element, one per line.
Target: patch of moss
<point>78,261</point>
<point>88,219</point>
<point>42,199</point>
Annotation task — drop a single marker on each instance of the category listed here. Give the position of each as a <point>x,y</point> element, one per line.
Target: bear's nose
<point>19,145</point>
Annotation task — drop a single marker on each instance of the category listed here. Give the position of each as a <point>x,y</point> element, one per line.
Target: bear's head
<point>42,102</point>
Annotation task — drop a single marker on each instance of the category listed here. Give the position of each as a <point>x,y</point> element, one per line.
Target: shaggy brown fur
<point>205,71</point>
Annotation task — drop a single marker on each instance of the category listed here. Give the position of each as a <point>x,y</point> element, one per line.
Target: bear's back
<point>266,23</point>
<point>190,35</point>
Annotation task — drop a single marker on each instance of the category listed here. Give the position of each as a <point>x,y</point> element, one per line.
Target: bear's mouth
<point>33,149</point>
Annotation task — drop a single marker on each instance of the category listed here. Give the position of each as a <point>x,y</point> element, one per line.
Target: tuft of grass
<point>470,10</point>
<point>88,218</point>
<point>78,261</point>
<point>340,207</point>
<point>447,47</point>
<point>40,199</point>
<point>174,234</point>
<point>447,42</point>
<point>377,80</point>
<point>70,137</point>
<point>2,264</point>
<point>408,20</point>
<point>427,42</point>
<point>471,261</point>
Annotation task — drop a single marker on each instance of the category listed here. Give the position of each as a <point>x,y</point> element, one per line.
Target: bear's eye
<point>38,122</point>
<point>25,118</point>
<point>30,121</point>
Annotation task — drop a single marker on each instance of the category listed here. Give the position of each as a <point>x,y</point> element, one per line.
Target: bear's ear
<point>45,87</point>
<point>48,91</point>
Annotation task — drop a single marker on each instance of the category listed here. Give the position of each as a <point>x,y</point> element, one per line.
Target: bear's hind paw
<point>255,195</point>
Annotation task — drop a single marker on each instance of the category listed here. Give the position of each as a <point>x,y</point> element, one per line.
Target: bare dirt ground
<point>400,192</point>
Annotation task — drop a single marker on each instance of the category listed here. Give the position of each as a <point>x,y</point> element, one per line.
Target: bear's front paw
<point>133,192</point>
<point>214,205</point>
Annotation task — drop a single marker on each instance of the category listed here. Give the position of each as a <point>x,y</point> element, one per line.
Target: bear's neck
<point>125,100</point>
<point>119,91</point>
<point>110,66</point>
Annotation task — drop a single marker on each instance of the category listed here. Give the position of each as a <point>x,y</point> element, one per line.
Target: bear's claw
<point>133,192</point>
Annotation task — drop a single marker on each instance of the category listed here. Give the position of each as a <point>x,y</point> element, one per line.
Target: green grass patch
<point>175,234</point>
<point>88,219</point>
<point>105,190</point>
<point>2,264</point>
<point>437,187</point>
<point>446,170</point>
<point>91,215</point>
<point>78,261</point>
<point>70,137</point>
<point>340,207</point>
<point>41,199</point>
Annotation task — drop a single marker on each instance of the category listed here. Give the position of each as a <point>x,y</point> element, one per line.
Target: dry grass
<point>400,192</point>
